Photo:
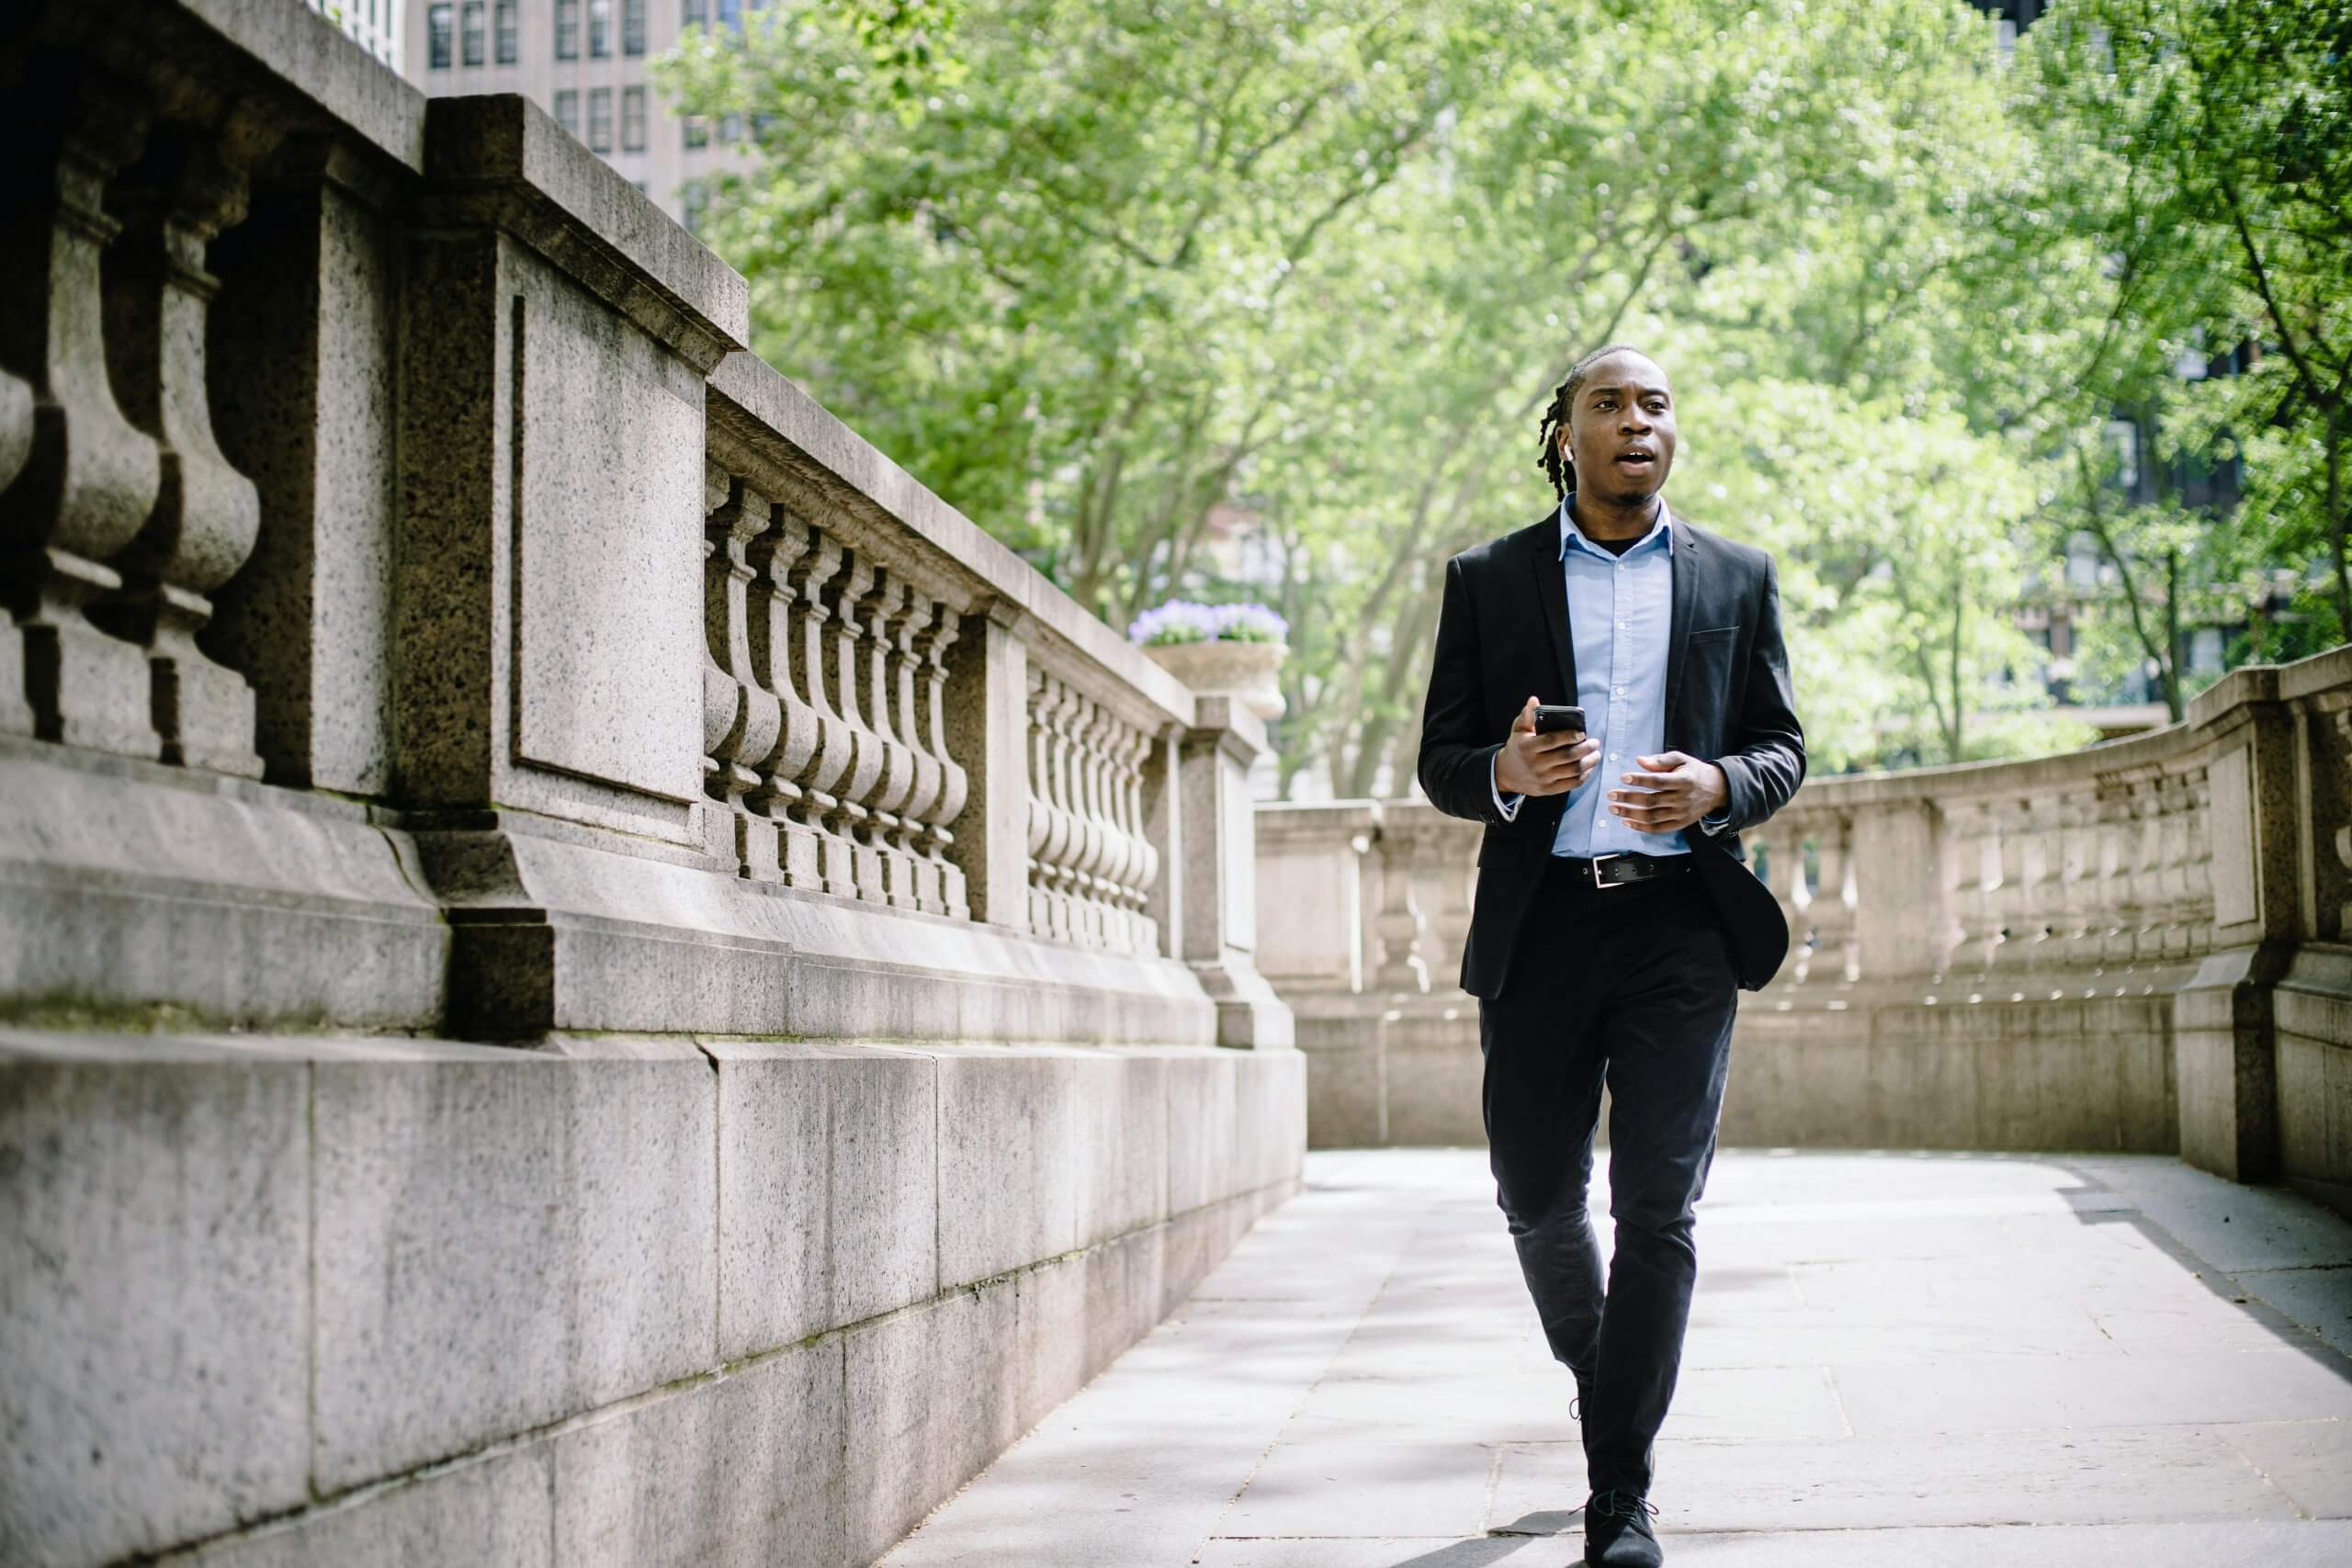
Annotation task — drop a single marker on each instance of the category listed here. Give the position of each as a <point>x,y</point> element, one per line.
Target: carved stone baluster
<point>813,578</point>
<point>207,514</point>
<point>1144,870</point>
<point>1976,878</point>
<point>85,478</point>
<point>771,601</point>
<point>2117,917</point>
<point>2071,917</point>
<point>737,701</point>
<point>844,674</point>
<point>920,877</point>
<point>2148,870</point>
<point>1090,860</point>
<point>1045,830</point>
<point>954,785</point>
<point>1832,910</point>
<point>1402,965</point>
<point>879,614</point>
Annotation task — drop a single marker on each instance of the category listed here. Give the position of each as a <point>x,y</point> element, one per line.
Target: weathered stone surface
<point>729,1472</point>
<point>909,1459</point>
<point>1204,1148</point>
<point>828,1189</point>
<point>153,1293</point>
<point>1009,1164</point>
<point>469,1205</point>
<point>491,1513</point>
<point>126,887</point>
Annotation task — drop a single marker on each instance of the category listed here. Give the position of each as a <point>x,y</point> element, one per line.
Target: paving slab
<point>1943,1361</point>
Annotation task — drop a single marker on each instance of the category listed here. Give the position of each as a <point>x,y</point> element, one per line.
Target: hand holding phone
<point>1538,761</point>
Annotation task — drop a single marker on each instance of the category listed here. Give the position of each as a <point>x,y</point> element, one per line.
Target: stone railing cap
<point>574,202</point>
<point>827,447</point>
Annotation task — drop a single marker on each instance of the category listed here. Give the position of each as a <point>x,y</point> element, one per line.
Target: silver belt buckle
<point>1599,883</point>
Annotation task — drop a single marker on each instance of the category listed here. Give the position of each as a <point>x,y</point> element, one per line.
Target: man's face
<point>1620,430</point>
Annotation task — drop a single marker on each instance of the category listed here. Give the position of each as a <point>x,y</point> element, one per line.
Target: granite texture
<point>468,1206</point>
<point>154,1211</point>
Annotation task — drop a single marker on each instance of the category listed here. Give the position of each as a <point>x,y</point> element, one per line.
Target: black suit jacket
<point>1502,633</point>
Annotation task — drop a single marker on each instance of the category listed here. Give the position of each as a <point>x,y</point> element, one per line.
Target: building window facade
<point>510,32</point>
<point>693,13</point>
<point>437,36</point>
<point>632,119</point>
<point>730,14</point>
<point>600,119</point>
<point>567,29</point>
<point>633,26</point>
<point>696,130</point>
<point>567,110</point>
<point>600,29</point>
<point>470,36</point>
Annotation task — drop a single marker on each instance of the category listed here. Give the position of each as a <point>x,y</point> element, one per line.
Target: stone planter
<point>1250,671</point>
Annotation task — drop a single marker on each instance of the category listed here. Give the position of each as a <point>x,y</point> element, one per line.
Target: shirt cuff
<point>1509,809</point>
<point>1715,821</point>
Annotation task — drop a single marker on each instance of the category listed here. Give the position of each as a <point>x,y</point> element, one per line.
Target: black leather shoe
<point>1617,1532</point>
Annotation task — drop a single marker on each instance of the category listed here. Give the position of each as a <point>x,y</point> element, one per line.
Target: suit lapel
<point>1678,632</point>
<point>1550,583</point>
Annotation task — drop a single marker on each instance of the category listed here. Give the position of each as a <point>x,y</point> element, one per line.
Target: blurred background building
<point>373,24</point>
<point>585,63</point>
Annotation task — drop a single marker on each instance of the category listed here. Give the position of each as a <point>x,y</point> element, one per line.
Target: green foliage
<point>1119,277</point>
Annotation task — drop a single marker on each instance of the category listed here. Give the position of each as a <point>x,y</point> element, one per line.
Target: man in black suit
<point>1615,919</point>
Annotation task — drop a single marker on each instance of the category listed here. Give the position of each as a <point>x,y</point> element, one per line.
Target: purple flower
<point>1184,620</point>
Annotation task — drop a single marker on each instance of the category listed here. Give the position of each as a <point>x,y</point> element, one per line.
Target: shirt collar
<point>1661,531</point>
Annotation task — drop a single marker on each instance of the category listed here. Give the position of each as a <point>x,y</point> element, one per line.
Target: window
<point>472,34</point>
<point>567,110</point>
<point>2123,439</point>
<point>567,29</point>
<point>600,119</point>
<point>698,130</point>
<point>600,29</point>
<point>510,32</point>
<point>730,127</point>
<point>730,14</point>
<point>436,32</point>
<point>693,13</point>
<point>632,119</point>
<point>632,27</point>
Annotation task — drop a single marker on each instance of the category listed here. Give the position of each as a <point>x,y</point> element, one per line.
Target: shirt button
<point>1612,756</point>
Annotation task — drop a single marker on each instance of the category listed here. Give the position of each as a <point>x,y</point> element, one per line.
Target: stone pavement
<point>1950,1360</point>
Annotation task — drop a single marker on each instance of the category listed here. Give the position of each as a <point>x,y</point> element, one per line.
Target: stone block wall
<point>588,973</point>
<point>2139,946</point>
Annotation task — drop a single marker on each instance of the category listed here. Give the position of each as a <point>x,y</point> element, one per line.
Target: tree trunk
<point>2172,635</point>
<point>2336,521</point>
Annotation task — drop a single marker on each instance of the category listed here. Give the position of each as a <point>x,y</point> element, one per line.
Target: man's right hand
<point>1530,764</point>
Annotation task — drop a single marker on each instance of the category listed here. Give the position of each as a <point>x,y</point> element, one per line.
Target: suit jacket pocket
<point>1715,633</point>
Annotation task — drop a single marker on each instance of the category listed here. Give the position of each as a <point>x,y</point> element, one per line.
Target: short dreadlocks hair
<point>1555,462</point>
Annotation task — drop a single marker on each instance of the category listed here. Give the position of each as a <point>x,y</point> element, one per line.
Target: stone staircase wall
<point>2139,946</point>
<point>588,973</point>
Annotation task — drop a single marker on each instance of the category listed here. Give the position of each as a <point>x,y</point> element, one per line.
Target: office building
<point>585,63</point>
<point>373,24</point>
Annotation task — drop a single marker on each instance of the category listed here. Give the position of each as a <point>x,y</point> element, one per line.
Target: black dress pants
<point>1633,986</point>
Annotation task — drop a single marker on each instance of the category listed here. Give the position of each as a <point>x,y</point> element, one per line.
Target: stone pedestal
<point>1219,870</point>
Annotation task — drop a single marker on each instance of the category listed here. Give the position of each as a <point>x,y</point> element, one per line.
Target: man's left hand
<point>1672,792</point>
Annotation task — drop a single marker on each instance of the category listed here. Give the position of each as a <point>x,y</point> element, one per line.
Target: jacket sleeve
<point>1766,760</point>
<point>1457,758</point>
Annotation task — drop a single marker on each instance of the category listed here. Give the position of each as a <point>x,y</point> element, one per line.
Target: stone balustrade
<point>2142,945</point>
<point>590,972</point>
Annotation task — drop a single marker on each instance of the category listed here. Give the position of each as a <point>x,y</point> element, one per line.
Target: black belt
<point>1602,873</point>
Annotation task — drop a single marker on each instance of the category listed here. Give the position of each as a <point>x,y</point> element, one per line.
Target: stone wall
<point>588,973</point>
<point>2142,945</point>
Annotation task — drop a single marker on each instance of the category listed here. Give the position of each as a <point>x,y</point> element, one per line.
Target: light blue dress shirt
<point>1621,611</point>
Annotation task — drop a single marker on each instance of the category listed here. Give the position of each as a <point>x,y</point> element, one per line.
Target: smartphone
<point>1553,717</point>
